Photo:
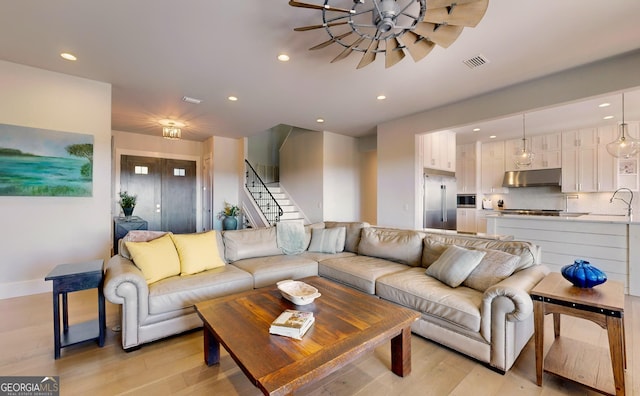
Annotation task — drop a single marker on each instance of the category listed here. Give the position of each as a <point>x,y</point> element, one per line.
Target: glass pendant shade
<point>524,158</point>
<point>170,132</point>
<point>625,146</point>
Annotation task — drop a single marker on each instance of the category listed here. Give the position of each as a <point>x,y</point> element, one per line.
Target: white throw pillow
<point>454,265</point>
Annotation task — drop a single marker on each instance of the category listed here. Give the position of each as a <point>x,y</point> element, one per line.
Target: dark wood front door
<point>166,190</point>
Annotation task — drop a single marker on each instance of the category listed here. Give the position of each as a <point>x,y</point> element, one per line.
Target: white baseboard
<point>24,288</point>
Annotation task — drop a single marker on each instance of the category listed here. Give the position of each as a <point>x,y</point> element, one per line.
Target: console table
<point>576,360</point>
<point>122,225</point>
<point>70,278</point>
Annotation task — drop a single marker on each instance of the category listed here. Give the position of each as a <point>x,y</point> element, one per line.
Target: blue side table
<point>70,278</point>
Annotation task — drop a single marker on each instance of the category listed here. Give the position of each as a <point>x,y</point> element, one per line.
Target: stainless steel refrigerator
<point>439,200</point>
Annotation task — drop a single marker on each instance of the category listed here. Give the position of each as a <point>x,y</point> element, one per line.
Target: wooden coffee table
<point>348,324</point>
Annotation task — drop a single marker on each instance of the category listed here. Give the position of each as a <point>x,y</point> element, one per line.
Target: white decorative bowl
<point>298,292</point>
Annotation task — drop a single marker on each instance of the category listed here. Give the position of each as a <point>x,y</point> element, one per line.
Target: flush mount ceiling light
<point>524,158</point>
<point>625,146</point>
<point>171,129</point>
<point>390,26</point>
<point>283,58</point>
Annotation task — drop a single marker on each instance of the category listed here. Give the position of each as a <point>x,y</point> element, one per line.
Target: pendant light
<point>524,158</point>
<point>625,146</point>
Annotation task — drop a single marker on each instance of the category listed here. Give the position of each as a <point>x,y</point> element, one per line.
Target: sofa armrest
<point>125,284</point>
<point>509,299</point>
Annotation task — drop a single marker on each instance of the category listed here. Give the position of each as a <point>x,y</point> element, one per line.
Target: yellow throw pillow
<point>197,252</point>
<point>157,259</point>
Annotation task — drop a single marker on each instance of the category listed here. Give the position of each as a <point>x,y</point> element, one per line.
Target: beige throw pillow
<point>327,240</point>
<point>494,267</point>
<point>454,265</point>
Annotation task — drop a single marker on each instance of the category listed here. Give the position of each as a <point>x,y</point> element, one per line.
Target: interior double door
<point>166,190</point>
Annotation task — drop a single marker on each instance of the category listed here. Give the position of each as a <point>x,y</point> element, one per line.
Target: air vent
<point>476,61</point>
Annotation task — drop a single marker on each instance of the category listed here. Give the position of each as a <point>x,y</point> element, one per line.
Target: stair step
<point>291,216</point>
<point>275,190</point>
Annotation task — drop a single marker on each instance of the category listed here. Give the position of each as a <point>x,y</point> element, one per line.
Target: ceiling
<point>154,52</point>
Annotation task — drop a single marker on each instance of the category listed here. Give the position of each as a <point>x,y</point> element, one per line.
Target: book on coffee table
<point>292,323</point>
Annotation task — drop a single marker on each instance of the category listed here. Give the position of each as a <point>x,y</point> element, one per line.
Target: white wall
<point>228,167</point>
<point>341,178</point>
<point>301,171</point>
<point>398,171</point>
<point>39,233</point>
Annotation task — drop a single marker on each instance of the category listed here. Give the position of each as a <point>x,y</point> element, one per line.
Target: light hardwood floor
<point>175,366</point>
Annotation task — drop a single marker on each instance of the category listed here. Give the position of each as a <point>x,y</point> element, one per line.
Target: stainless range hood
<point>533,178</point>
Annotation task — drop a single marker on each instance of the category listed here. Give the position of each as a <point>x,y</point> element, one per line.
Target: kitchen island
<point>611,243</point>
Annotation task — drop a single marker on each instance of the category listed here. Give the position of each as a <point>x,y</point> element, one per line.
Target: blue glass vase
<point>582,274</point>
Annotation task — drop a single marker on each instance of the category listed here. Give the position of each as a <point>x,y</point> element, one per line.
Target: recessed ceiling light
<point>68,56</point>
<point>320,120</point>
<point>492,137</point>
<point>381,97</point>
<point>233,98</point>
<point>476,129</point>
<point>607,117</point>
<point>189,99</point>
<point>283,58</point>
<point>604,104</point>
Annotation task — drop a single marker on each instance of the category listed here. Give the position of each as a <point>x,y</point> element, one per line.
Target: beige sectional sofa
<point>488,316</point>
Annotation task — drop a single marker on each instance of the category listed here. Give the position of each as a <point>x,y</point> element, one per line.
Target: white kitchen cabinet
<point>466,220</point>
<point>492,167</point>
<point>481,221</point>
<point>549,142</point>
<point>580,160</point>
<point>439,150</point>
<point>607,163</point>
<point>466,157</point>
<point>547,150</point>
<point>512,148</point>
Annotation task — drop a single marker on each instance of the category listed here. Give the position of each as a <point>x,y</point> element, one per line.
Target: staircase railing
<point>261,195</point>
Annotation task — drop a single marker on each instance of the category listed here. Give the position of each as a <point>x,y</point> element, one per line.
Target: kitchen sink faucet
<point>628,203</point>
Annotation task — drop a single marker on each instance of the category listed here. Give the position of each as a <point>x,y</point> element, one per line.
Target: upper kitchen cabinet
<point>547,150</point>
<point>607,163</point>
<point>466,160</point>
<point>580,160</point>
<point>492,167</point>
<point>439,150</point>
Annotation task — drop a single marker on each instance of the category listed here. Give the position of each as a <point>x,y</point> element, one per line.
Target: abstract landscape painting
<point>42,162</point>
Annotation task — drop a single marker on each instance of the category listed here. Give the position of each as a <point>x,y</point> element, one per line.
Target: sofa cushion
<point>157,259</point>
<point>248,243</point>
<point>352,239</point>
<point>197,252</point>
<point>267,271</point>
<point>412,289</point>
<point>495,266</point>
<point>359,272</point>
<point>327,240</point>
<point>402,246</point>
<point>180,292</point>
<point>317,256</point>
<point>528,252</point>
<point>137,236</point>
<point>454,265</point>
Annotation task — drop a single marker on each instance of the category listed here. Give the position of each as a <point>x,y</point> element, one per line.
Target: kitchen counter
<point>606,218</point>
<point>606,241</point>
<point>476,234</point>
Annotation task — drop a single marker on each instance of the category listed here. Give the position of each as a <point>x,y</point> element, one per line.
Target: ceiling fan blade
<point>446,3</point>
<point>311,27</point>
<point>347,51</point>
<point>393,53</point>
<point>327,7</point>
<point>331,41</point>
<point>418,47</point>
<point>468,14</point>
<point>443,35</point>
<point>369,55</point>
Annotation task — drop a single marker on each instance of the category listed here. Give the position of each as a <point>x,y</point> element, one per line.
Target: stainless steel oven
<point>466,200</point>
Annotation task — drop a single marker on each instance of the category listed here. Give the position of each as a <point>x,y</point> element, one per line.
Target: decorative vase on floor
<point>229,223</point>
<point>582,274</point>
